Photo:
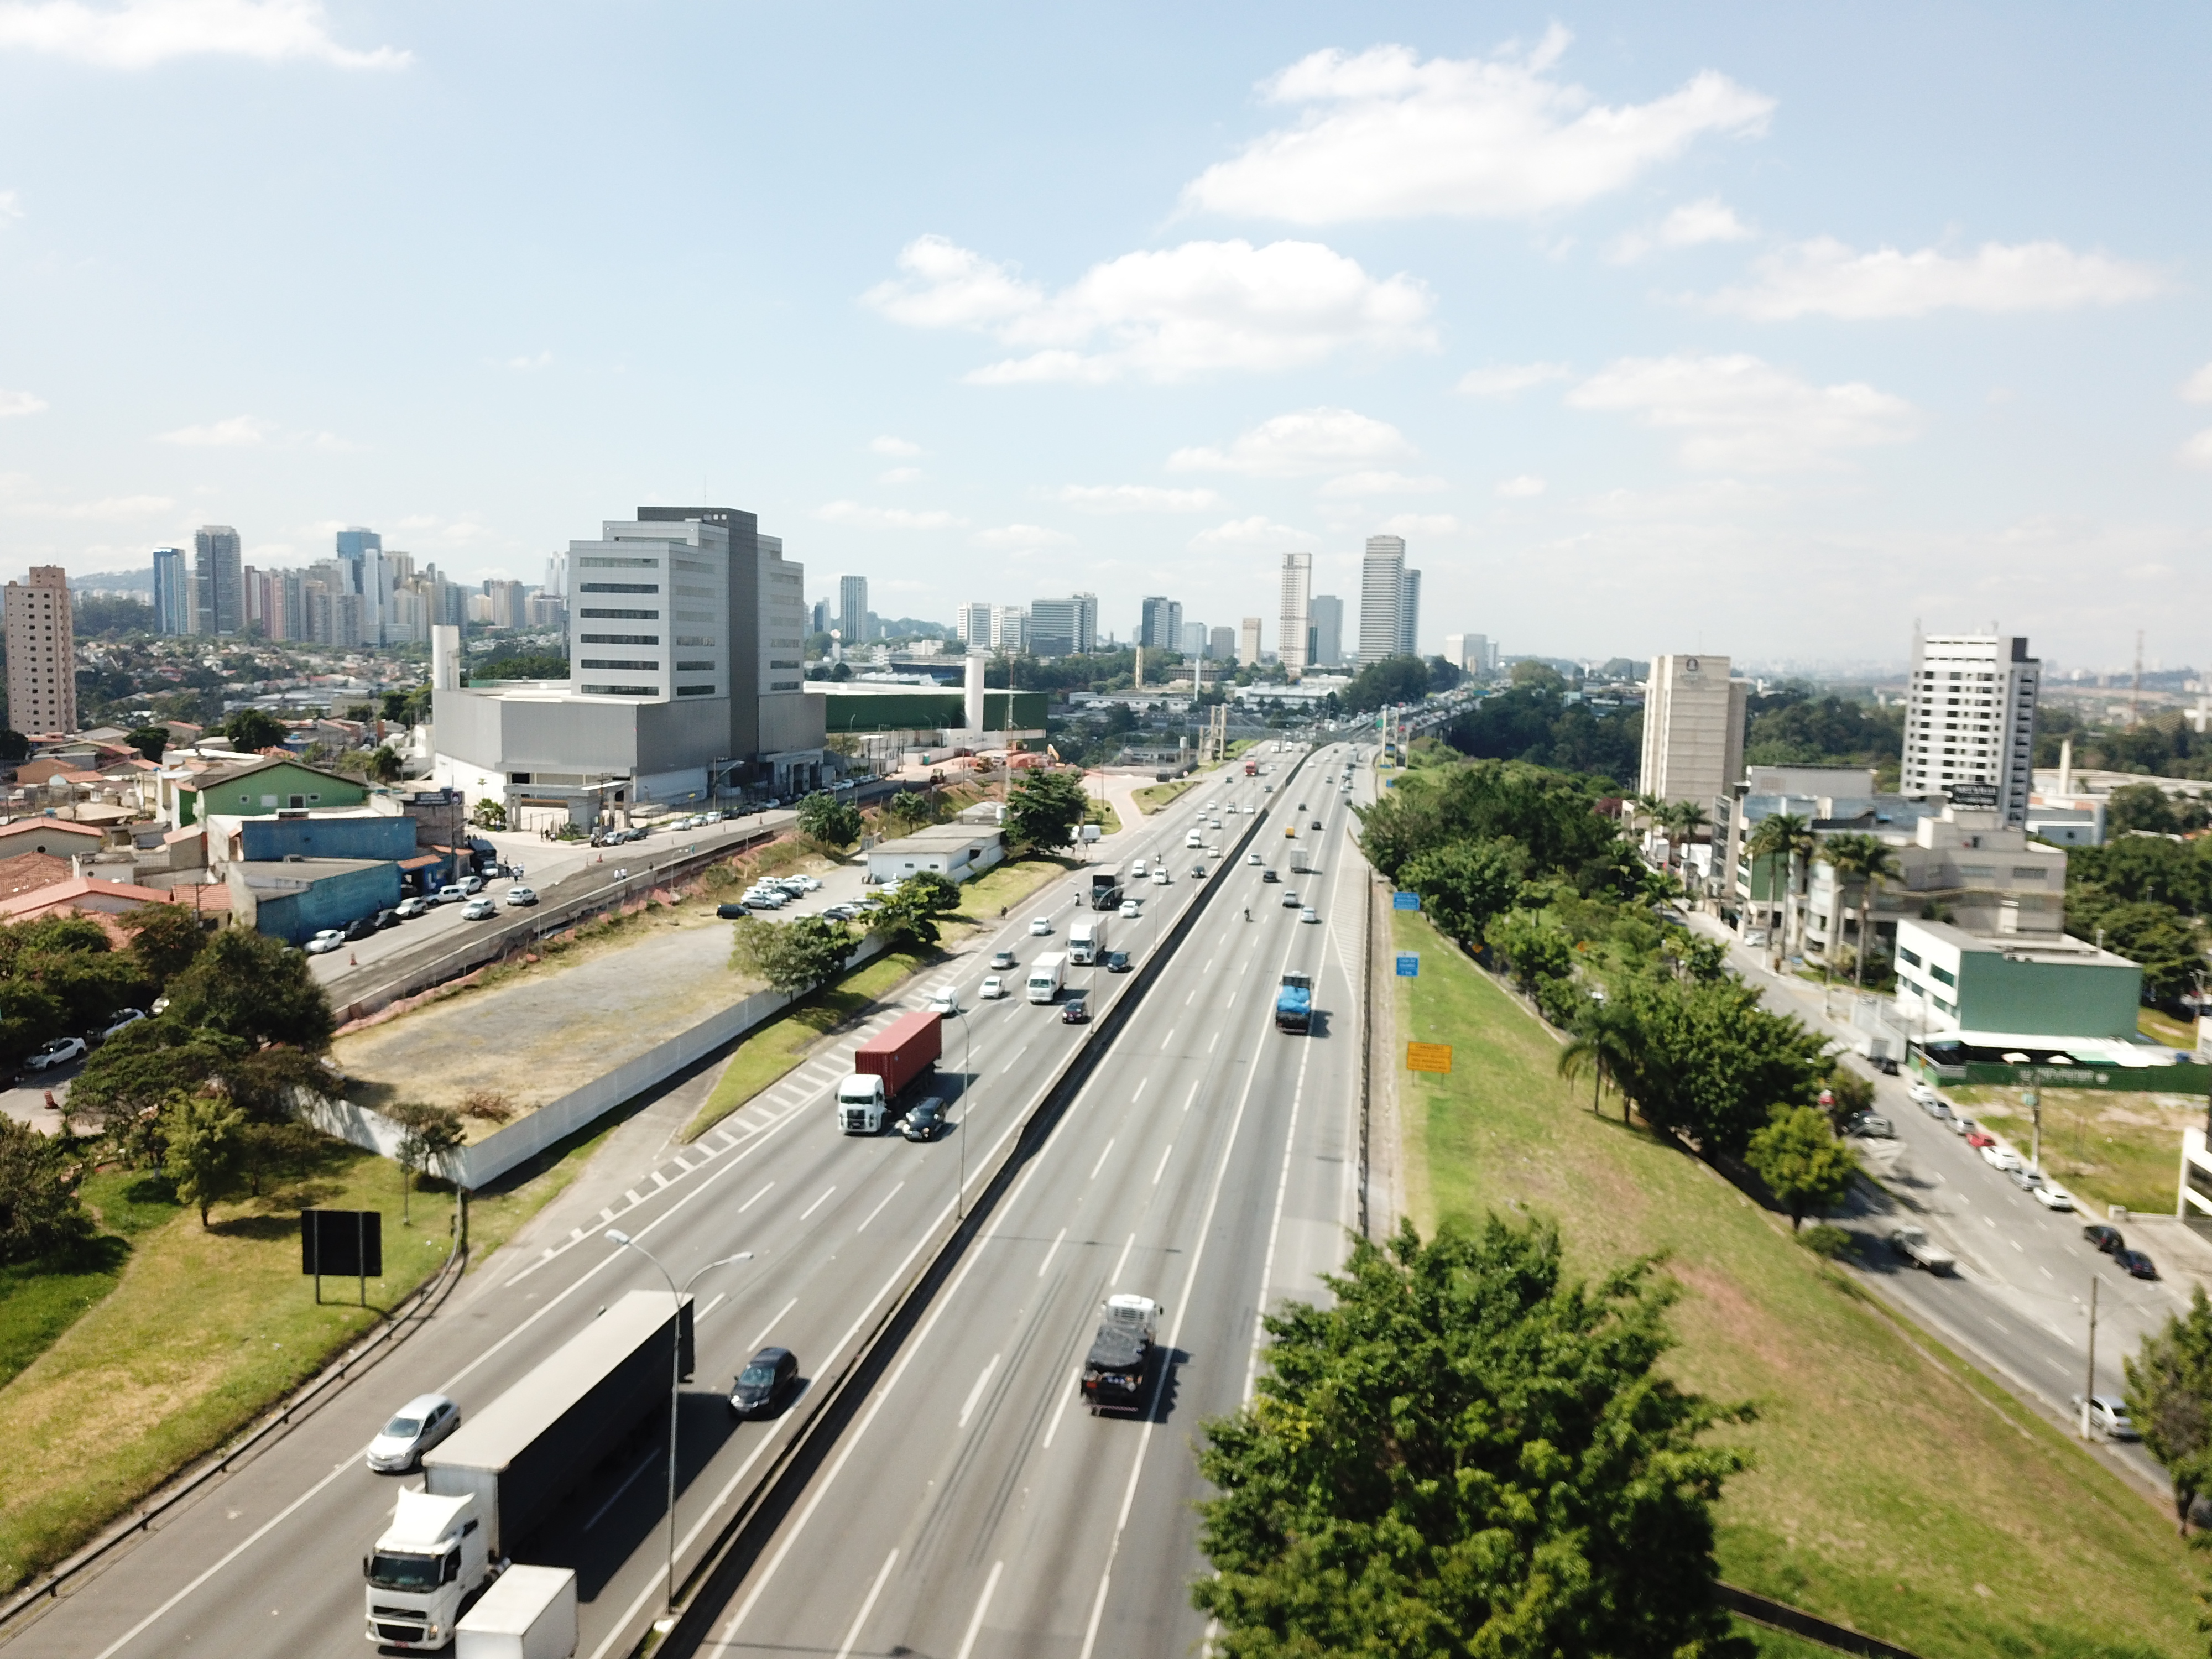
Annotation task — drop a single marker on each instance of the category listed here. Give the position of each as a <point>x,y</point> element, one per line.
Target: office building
<point>1159,627</point>
<point>1248,643</point>
<point>41,653</point>
<point>1293,620</point>
<point>173,591</point>
<point>1969,721</point>
<point>1010,627</point>
<point>1382,597</point>
<point>972,623</point>
<point>819,620</point>
<point>556,576</point>
<point>1467,652</point>
<point>1222,645</point>
<point>508,600</point>
<point>1693,721</point>
<point>1193,643</point>
<point>1409,615</point>
<point>1327,612</point>
<point>852,623</point>
<point>1064,627</point>
<point>219,603</point>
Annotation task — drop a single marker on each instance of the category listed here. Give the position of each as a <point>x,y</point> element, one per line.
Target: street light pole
<point>616,1235</point>
<point>960,1193</point>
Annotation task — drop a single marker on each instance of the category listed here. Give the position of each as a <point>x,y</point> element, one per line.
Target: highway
<point>267,1561</point>
<point>974,1507</point>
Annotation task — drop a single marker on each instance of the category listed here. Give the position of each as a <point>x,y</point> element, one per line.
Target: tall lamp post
<point>960,1193</point>
<point>616,1235</point>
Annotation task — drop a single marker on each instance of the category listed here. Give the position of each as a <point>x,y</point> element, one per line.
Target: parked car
<point>1117,961</point>
<point>1921,1095</point>
<point>731,912</point>
<point>451,893</point>
<point>1978,1139</point>
<point>767,1375</point>
<point>471,884</point>
<point>359,928</point>
<point>1040,927</point>
<point>2021,1177</point>
<point>1075,1012</point>
<point>416,904</point>
<point>520,897</point>
<point>479,909</point>
<point>390,918</point>
<point>1003,960</point>
<point>58,1052</point>
<point>1871,1126</point>
<point>1915,1246</point>
<point>1961,1124</point>
<point>328,940</point>
<point>415,1427</point>
<point>840,912</point>
<point>1131,909</point>
<point>2135,1263</point>
<point>2108,1417</point>
<point>121,1021</point>
<point>2051,1197</point>
<point>925,1120</point>
<point>992,989</point>
<point>2000,1158</point>
<point>2106,1239</point>
<point>765,901</point>
<point>1309,914</point>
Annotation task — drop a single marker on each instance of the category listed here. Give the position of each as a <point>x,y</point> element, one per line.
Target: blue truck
<point>1294,1002</point>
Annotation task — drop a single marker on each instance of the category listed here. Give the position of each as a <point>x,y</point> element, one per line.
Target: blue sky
<point>1726,328</point>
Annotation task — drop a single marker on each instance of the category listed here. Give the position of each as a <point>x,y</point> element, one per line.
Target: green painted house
<point>265,784</point>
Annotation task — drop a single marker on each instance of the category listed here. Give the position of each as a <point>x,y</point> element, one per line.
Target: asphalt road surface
<point>267,1561</point>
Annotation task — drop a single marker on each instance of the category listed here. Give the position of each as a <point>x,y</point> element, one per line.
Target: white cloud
<point>1823,278</point>
<point>894,447</point>
<point>899,475</point>
<point>887,518</point>
<point>1385,136</point>
<point>1525,485</point>
<point>238,432</point>
<point>1255,531</point>
<point>2197,452</point>
<point>2197,388</point>
<point>113,507</point>
<point>1737,413</point>
<point>140,34</point>
<point>1505,380</point>
<point>1137,498</point>
<point>1017,536</point>
<point>1163,315</point>
<point>1382,483</point>
<point>1689,226</point>
<point>1310,441</point>
<point>20,403</point>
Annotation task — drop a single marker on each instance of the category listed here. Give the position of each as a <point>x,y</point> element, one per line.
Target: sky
<point>1744,329</point>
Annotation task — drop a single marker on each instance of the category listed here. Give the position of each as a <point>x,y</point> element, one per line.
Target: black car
<point>1269,875</point>
<point>1117,961</point>
<point>388,919</point>
<point>924,1123</point>
<point>1316,823</point>
<point>763,1381</point>
<point>2106,1239</point>
<point>732,912</point>
<point>362,929</point>
<point>2137,1265</point>
<point>1077,1012</point>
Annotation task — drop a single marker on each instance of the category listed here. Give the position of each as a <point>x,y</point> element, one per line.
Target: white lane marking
<point>720,1297</point>
<point>967,1405</point>
<point>1053,1428</point>
<point>1164,1156</point>
<point>878,1210</point>
<point>1168,1041</point>
<point>631,1194</point>
<point>816,1205</point>
<point>1101,1163</point>
<point>1231,1003</point>
<point>615,1496</point>
<point>853,1636</point>
<point>1121,1261</point>
<point>1192,998</point>
<point>1216,1043</point>
<point>983,1606</point>
<point>2046,1273</point>
<point>1141,1082</point>
<point>1275,1226</point>
<point>773,1323</point>
<point>1051,1253</point>
<point>755,1199</point>
<point>658,1180</point>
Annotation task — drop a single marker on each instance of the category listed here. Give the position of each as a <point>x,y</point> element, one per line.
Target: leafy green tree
<point>149,740</point>
<point>1534,950</point>
<point>909,810</point>
<point>829,820</point>
<point>2169,1394</point>
<point>165,939</point>
<point>1044,807</point>
<point>2167,945</point>
<point>1785,839</point>
<point>910,913</point>
<point>1469,1454</point>
<point>489,814</point>
<point>1601,1041</point>
<point>1464,883</point>
<point>426,1133</point>
<point>248,985</point>
<point>1552,817</point>
<point>251,730</point>
<point>206,1156</point>
<point>1534,722</point>
<point>1802,1162</point>
<point>39,1208</point>
<point>1862,861</point>
<point>1392,680</point>
<point>2142,806</point>
<point>792,956</point>
<point>1709,1061</point>
<point>14,747</point>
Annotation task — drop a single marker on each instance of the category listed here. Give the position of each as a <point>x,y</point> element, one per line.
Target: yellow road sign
<point>1428,1057</point>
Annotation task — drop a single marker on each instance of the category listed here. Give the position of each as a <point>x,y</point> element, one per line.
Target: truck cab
<point>860,1103</point>
<point>1086,939</point>
<point>1119,1367</point>
<point>1294,1002</point>
<point>431,1558</point>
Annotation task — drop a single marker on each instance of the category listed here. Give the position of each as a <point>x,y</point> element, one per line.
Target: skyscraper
<point>1969,721</point>
<point>1693,721</point>
<point>1382,598</point>
<point>1010,627</point>
<point>851,623</point>
<point>218,582</point>
<point>1064,627</point>
<point>1409,615</point>
<point>1160,624</point>
<point>1194,640</point>
<point>1248,642</point>
<point>1293,620</point>
<point>972,622</point>
<point>41,653</point>
<point>173,591</point>
<point>1223,644</point>
<point>1328,613</point>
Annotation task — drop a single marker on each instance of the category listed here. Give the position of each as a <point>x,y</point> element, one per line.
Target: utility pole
<point>2134,697</point>
<point>2089,1384</point>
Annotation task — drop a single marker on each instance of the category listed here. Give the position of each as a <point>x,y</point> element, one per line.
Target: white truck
<point>1086,940</point>
<point>529,1613</point>
<point>1046,974</point>
<point>434,1554</point>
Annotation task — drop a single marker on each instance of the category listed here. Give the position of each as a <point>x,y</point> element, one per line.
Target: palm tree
<point>1788,836</point>
<point>1601,1045</point>
<point>1685,818</point>
<point>1867,861</point>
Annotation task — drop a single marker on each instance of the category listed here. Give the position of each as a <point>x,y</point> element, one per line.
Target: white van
<point>1193,838</point>
<point>1046,973</point>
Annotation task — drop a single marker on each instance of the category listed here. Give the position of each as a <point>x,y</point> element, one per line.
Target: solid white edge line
<point>982,1606</point>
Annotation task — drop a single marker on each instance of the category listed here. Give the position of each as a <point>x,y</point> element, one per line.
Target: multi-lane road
<point>1208,1159</point>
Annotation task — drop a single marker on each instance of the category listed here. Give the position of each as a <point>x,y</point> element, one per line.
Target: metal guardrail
<point>401,1322</point>
<point>1780,1616</point>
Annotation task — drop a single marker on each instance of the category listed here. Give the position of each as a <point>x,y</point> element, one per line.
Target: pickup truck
<point>1118,1370</point>
<point>1915,1246</point>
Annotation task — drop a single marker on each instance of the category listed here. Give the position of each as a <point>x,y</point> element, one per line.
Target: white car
<point>1254,859</point>
<point>2052,1198</point>
<point>2000,1158</point>
<point>1922,1094</point>
<point>521,896</point>
<point>1160,877</point>
<point>946,1003</point>
<point>1039,926</point>
<point>1308,915</point>
<point>992,989</point>
<point>328,939</point>
<point>1131,909</point>
<point>59,1052</point>
<point>415,1427</point>
<point>1137,871</point>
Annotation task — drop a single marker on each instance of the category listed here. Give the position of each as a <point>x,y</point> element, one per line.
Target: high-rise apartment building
<point>1693,721</point>
<point>1327,611</point>
<point>173,591</point>
<point>1293,617</point>
<point>1248,642</point>
<point>1969,721</point>
<point>1193,643</point>
<point>1159,627</point>
<point>1382,598</point>
<point>1467,652</point>
<point>1010,627</point>
<point>508,600</point>
<point>1409,615</point>
<point>41,653</point>
<point>819,621</point>
<point>1222,646</point>
<point>852,623</point>
<point>219,606</point>
<point>1064,627</point>
<point>972,622</point>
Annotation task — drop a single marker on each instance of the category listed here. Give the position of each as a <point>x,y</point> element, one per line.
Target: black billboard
<point>347,1244</point>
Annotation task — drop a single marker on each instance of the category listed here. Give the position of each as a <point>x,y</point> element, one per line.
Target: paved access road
<point>974,1508</point>
<point>267,1561</point>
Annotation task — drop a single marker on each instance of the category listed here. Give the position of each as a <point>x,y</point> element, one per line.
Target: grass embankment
<point>2105,1148</point>
<point>1150,798</point>
<point>2162,1027</point>
<point>1896,1490</point>
<point>197,1334</point>
<point>1005,885</point>
<point>1102,814</point>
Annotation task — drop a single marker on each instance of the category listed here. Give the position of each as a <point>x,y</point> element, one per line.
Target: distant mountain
<point>115,581</point>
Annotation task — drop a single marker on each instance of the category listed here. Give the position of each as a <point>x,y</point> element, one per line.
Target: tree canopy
<point>251,730</point>
<point>1044,807</point>
<point>793,956</point>
<point>1535,723</point>
<point>1469,1454</point>
<point>250,986</point>
<point>1803,1164</point>
<point>829,819</point>
<point>1391,680</point>
<point>2170,1398</point>
<point>910,915</point>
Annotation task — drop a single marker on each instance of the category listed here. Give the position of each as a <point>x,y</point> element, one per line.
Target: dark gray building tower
<point>219,581</point>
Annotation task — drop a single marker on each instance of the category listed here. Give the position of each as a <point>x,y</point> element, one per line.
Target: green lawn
<point>1007,884</point>
<point>1150,798</point>
<point>39,1300</point>
<point>1102,814</point>
<point>1896,1490</point>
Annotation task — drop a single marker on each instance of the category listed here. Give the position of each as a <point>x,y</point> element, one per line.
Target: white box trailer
<point>1046,974</point>
<point>529,1613</point>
